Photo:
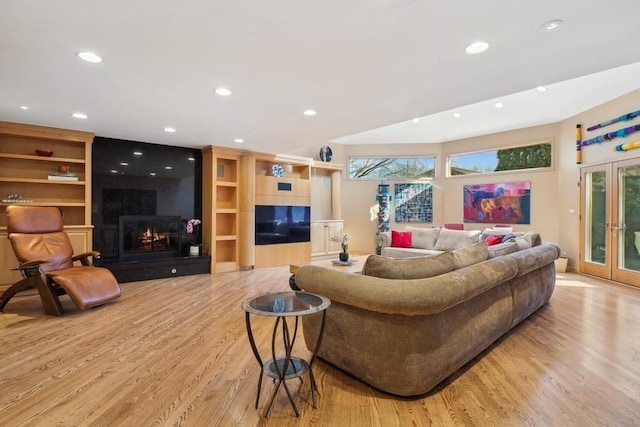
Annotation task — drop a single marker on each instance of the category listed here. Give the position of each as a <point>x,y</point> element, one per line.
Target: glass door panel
<point>627,228</point>
<point>595,232</point>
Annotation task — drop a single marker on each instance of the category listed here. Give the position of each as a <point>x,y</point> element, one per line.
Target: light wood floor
<point>175,352</point>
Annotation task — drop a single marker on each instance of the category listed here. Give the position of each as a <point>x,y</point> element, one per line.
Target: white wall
<point>553,193</point>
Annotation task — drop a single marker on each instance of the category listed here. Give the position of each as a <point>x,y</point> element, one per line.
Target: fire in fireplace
<point>148,236</point>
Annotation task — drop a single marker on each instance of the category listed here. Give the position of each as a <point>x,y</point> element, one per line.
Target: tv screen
<point>282,224</point>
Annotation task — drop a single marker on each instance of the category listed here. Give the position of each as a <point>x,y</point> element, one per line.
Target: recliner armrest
<point>84,257</point>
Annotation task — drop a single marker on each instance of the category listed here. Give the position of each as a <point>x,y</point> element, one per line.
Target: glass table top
<point>286,304</point>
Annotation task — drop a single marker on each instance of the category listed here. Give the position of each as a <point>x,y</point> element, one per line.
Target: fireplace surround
<point>148,183</point>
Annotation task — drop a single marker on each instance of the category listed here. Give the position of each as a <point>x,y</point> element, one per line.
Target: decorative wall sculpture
<point>414,202</point>
<point>505,203</point>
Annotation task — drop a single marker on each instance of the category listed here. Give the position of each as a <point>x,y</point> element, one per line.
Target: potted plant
<point>344,242</point>
<point>193,227</point>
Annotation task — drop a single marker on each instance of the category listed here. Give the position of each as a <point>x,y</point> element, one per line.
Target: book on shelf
<point>63,177</point>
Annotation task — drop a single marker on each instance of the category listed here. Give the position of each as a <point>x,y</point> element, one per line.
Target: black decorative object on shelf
<point>325,153</point>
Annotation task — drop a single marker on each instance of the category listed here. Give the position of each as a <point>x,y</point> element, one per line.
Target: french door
<point>610,221</point>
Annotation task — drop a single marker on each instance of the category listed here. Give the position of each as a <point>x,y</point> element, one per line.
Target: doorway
<point>610,221</point>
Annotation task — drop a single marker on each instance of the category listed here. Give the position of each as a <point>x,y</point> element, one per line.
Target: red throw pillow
<point>493,240</point>
<point>400,239</point>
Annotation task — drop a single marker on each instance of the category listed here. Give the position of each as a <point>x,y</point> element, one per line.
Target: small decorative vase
<point>194,250</point>
<point>344,256</point>
<point>378,250</point>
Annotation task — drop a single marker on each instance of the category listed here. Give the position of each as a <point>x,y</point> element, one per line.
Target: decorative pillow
<point>408,268</point>
<point>493,240</point>
<point>508,238</point>
<point>525,241</point>
<point>453,239</point>
<point>494,232</point>
<point>423,238</point>
<point>470,255</point>
<point>502,249</point>
<point>400,239</point>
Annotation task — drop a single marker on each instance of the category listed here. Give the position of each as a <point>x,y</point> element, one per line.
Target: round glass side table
<point>283,305</point>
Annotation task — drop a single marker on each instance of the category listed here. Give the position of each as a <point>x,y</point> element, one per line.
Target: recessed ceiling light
<point>80,115</point>
<point>541,89</point>
<point>137,153</point>
<point>168,168</point>
<point>477,47</point>
<point>24,107</point>
<point>89,57</point>
<point>152,173</point>
<point>114,171</point>
<point>238,140</point>
<point>309,112</point>
<point>550,25</point>
<point>415,120</point>
<point>498,105</point>
<point>191,159</point>
<point>124,164</point>
<point>170,130</point>
<point>223,91</point>
<point>457,115</point>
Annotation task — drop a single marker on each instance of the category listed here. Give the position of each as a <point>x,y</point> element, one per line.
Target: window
<point>391,167</point>
<point>508,159</point>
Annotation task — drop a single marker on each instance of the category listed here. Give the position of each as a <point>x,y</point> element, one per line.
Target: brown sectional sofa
<point>404,335</point>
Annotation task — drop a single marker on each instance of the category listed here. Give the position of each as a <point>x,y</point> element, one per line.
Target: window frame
<point>551,167</point>
<point>433,157</point>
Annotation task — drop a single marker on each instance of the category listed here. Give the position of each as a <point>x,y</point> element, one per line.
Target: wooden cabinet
<point>24,173</point>
<point>326,237</point>
<point>221,208</point>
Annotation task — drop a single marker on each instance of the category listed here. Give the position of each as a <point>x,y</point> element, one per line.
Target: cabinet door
<point>318,234</point>
<point>334,237</point>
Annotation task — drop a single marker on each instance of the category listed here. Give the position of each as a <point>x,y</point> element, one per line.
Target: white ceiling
<point>367,66</point>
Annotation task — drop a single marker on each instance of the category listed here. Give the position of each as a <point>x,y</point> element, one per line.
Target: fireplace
<point>143,237</point>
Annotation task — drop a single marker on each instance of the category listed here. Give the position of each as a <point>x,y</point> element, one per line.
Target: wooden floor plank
<point>174,352</point>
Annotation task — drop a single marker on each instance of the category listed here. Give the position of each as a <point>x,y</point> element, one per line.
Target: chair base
<point>48,295</point>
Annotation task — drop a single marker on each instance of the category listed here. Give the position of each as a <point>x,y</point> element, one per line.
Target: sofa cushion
<point>407,252</point>
<point>408,268</point>
<point>470,255</point>
<point>502,249</point>
<point>493,240</point>
<point>400,239</point>
<point>528,240</point>
<point>453,239</point>
<point>423,238</point>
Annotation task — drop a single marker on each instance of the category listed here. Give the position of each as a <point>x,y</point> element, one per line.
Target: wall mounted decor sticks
<point>620,133</point>
<point>628,146</point>
<point>622,118</point>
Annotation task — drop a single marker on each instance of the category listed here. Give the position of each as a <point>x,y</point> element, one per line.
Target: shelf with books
<point>28,156</point>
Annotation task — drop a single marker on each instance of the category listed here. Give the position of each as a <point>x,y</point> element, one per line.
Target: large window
<point>506,159</point>
<point>391,167</point>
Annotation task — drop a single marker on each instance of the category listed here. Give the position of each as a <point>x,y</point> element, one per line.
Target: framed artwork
<point>414,202</point>
<point>504,203</point>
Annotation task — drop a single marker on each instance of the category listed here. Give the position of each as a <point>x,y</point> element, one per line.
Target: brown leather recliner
<point>41,246</point>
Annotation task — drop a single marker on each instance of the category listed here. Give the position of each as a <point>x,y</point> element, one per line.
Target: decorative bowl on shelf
<point>44,153</point>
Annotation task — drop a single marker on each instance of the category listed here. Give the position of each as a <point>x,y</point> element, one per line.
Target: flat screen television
<point>282,224</point>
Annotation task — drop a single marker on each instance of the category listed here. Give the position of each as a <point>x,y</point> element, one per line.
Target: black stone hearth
<point>134,271</point>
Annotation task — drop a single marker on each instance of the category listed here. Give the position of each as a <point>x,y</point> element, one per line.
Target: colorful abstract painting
<point>505,203</point>
<point>414,202</point>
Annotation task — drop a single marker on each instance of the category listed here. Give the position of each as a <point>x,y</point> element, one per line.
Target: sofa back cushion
<point>400,239</point>
<point>470,255</point>
<point>423,238</point>
<point>449,240</point>
<point>503,249</point>
<point>408,268</point>
<point>528,240</point>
